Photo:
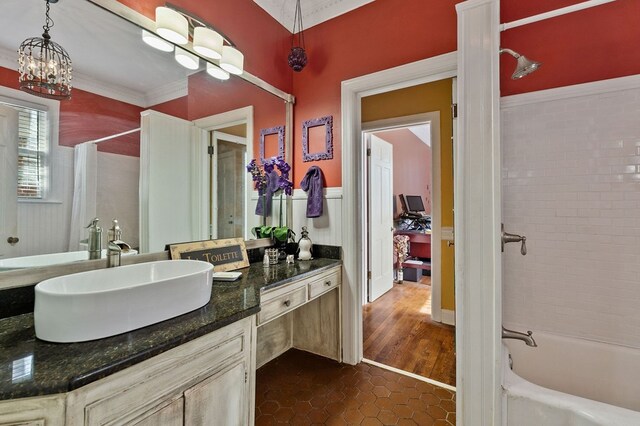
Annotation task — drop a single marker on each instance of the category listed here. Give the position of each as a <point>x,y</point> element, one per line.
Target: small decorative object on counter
<point>272,254</point>
<point>290,260</point>
<point>304,245</point>
<point>265,260</point>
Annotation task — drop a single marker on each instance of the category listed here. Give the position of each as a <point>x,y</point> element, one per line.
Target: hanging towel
<point>264,208</point>
<point>312,185</point>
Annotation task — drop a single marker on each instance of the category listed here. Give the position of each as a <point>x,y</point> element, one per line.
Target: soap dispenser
<point>304,245</point>
<point>95,239</point>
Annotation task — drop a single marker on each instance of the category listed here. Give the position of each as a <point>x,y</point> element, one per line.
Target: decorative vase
<point>304,245</point>
<point>399,275</point>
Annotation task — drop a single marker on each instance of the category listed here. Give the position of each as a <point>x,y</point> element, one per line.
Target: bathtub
<point>566,381</point>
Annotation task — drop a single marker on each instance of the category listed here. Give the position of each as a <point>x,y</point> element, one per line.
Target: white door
<point>228,186</point>
<point>380,217</point>
<point>165,181</point>
<point>8,180</point>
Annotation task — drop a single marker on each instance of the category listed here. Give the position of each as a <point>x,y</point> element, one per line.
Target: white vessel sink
<point>105,302</point>
<point>52,259</point>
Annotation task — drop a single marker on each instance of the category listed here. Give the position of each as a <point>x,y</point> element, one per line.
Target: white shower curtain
<point>85,181</point>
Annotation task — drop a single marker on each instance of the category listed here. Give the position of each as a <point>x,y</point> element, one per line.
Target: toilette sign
<point>226,255</point>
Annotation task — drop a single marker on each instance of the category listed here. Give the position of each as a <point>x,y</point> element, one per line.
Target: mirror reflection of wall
<point>111,91</point>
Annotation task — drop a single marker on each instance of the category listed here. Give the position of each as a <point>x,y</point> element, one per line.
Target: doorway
<point>228,155</point>
<point>410,326</point>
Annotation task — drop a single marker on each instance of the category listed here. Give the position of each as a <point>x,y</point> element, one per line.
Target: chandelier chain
<point>49,22</point>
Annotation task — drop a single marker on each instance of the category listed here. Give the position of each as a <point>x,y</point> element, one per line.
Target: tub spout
<point>525,337</point>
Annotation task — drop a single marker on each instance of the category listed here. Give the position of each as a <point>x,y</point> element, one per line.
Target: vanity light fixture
<point>217,72</point>
<point>207,42</point>
<point>44,66</point>
<point>156,42</point>
<point>172,25</point>
<point>232,60</point>
<point>177,26</point>
<point>187,59</point>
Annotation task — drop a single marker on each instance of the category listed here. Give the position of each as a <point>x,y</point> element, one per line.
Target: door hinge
<point>369,275</point>
<point>454,110</point>
<point>246,377</point>
<point>368,152</point>
<point>210,150</point>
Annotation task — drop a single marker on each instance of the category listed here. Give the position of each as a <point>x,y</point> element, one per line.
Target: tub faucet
<point>115,245</point>
<point>525,337</point>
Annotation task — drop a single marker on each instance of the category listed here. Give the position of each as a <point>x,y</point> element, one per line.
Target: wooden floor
<point>398,332</point>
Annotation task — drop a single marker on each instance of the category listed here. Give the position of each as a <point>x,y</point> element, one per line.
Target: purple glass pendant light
<point>297,56</point>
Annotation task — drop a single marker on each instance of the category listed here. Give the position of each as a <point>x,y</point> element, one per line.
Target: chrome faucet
<point>525,337</point>
<point>94,242</point>
<point>115,245</point>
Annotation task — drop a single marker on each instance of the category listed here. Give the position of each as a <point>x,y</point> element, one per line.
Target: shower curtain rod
<point>108,138</point>
<point>553,13</point>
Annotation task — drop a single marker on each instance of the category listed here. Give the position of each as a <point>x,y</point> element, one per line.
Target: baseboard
<point>448,317</point>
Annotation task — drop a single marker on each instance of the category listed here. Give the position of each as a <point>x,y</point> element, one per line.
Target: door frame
<point>433,118</point>
<point>239,140</point>
<point>354,184</point>
<point>200,170</point>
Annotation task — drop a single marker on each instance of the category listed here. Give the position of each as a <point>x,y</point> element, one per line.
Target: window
<point>33,148</point>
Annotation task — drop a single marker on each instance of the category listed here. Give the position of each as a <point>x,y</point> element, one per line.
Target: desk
<point>419,244</point>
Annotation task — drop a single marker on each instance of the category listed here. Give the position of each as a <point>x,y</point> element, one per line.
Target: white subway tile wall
<point>571,184</point>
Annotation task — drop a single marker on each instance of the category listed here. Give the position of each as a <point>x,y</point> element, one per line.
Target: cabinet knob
<point>13,240</point>
<point>287,303</point>
<point>327,283</point>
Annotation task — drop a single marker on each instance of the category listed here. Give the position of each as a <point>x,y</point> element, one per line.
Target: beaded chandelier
<point>44,66</point>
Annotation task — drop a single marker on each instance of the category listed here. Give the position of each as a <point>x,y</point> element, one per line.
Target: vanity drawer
<point>282,304</point>
<point>324,284</point>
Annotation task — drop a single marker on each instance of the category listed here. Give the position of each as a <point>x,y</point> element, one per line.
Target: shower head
<point>524,67</point>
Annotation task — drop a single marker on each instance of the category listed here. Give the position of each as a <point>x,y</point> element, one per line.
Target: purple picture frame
<point>278,130</point>
<point>327,122</point>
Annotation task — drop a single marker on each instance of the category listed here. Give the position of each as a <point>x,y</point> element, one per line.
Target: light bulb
<point>187,59</point>
<point>156,42</point>
<point>171,25</point>
<point>207,42</point>
<point>217,72</point>
<point>232,60</point>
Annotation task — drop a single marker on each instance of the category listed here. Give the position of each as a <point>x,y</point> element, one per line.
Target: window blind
<point>32,151</point>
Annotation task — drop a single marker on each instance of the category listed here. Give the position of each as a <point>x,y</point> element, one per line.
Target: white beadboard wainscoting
<point>43,227</point>
<point>325,230</point>
<point>571,184</point>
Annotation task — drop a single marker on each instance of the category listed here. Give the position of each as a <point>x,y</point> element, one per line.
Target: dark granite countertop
<point>32,367</point>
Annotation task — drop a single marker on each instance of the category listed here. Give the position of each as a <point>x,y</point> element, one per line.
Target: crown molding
<point>168,92</point>
<point>313,12</point>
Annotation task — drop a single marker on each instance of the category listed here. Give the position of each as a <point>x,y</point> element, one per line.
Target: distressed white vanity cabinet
<point>303,314</point>
<point>207,381</point>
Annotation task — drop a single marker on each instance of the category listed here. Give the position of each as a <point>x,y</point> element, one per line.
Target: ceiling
<point>412,134</point>
<point>107,52</point>
<point>314,12</point>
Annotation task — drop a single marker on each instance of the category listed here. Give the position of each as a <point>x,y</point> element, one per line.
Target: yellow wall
<point>420,99</point>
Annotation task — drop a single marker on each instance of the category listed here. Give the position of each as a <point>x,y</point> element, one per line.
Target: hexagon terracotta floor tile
<point>299,388</point>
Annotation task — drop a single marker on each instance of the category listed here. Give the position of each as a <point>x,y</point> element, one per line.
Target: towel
<point>264,208</point>
<point>312,185</point>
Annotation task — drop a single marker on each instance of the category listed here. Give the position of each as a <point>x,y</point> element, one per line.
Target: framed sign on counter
<point>225,255</point>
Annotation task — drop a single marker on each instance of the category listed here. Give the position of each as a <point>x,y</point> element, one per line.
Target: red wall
<point>377,36</point>
<point>589,45</point>
<point>88,116</point>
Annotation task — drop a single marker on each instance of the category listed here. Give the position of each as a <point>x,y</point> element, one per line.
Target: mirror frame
<point>31,276</point>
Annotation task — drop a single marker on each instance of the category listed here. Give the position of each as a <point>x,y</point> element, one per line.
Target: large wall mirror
<point>143,140</point>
